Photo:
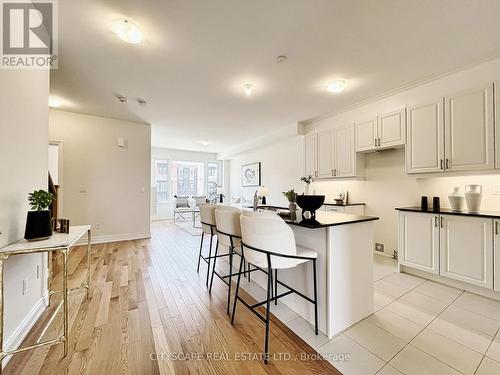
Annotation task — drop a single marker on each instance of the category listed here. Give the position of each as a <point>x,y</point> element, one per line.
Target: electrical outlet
<point>379,247</point>
<point>83,189</point>
<point>25,286</point>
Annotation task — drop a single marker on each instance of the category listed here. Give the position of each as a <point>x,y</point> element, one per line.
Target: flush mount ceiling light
<point>127,31</point>
<point>204,143</point>
<point>54,102</point>
<point>336,86</point>
<point>248,89</point>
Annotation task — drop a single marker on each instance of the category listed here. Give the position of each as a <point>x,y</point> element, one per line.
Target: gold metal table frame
<point>60,243</point>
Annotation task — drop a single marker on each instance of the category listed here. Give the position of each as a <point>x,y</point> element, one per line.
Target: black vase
<point>38,225</point>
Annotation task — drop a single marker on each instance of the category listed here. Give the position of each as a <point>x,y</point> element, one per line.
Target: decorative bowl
<point>310,203</point>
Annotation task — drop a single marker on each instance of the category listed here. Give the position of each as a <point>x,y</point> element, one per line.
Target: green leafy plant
<point>40,200</point>
<point>291,195</point>
<point>306,179</point>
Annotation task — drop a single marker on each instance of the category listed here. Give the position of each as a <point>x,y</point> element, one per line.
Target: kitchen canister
<point>473,196</point>
<point>457,199</point>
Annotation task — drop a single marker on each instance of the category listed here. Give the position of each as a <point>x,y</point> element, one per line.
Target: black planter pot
<point>38,225</point>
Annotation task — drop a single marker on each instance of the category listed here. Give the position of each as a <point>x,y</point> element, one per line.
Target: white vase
<point>457,199</point>
<point>473,197</point>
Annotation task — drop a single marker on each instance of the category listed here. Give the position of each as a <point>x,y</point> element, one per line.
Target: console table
<point>58,242</point>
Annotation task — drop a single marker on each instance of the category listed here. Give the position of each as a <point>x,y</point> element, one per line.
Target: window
<point>188,178</point>
<point>161,180</point>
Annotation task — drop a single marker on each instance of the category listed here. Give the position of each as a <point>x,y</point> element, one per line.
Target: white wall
<point>386,185</point>
<point>281,169</point>
<point>23,168</point>
<point>116,179</point>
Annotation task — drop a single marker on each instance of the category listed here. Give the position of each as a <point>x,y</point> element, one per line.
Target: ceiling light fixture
<point>248,89</point>
<point>54,103</point>
<point>204,143</point>
<point>127,31</point>
<point>336,86</point>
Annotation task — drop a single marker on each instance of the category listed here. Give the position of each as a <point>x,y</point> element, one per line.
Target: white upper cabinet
<point>466,249</point>
<point>419,241</point>
<point>386,131</point>
<point>344,153</point>
<point>469,130</point>
<point>366,134</point>
<point>325,161</point>
<point>425,138</point>
<point>391,129</point>
<point>310,154</point>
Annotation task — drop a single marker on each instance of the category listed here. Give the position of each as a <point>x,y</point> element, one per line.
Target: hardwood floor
<point>147,298</point>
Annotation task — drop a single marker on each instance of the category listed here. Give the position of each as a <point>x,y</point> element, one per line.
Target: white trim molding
<point>22,330</point>
<point>116,238</point>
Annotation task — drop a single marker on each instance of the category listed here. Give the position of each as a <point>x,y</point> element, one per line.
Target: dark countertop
<point>449,211</point>
<point>343,204</point>
<point>329,219</point>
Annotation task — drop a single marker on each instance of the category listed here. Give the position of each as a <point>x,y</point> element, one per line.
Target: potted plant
<point>307,180</point>
<point>291,195</point>
<point>39,220</point>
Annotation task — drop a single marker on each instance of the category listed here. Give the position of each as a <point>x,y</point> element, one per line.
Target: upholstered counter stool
<point>207,215</point>
<point>268,243</point>
<point>229,236</point>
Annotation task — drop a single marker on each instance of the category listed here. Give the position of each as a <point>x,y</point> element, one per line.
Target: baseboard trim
<point>116,238</point>
<point>453,283</point>
<point>24,328</point>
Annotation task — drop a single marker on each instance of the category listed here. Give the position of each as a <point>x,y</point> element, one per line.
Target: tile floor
<point>418,327</point>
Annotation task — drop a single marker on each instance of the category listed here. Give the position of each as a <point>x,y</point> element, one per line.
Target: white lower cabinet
<point>453,246</point>
<point>497,255</point>
<point>419,241</point>
<point>466,249</point>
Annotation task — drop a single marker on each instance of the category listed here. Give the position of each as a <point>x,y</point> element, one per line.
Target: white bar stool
<point>268,243</point>
<point>229,235</point>
<point>207,215</point>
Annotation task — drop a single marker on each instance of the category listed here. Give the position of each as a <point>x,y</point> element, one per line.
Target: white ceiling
<point>198,54</point>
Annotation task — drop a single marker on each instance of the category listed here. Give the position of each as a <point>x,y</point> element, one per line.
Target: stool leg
<point>269,286</point>
<point>213,270</point>
<point>201,247</point>
<point>315,299</point>
<point>230,279</point>
<point>276,286</point>
<point>237,289</point>
<point>210,256</point>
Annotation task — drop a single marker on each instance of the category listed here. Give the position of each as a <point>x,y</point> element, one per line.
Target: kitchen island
<point>345,270</point>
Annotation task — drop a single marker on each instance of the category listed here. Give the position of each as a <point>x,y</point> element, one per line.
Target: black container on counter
<point>436,205</point>
<point>424,204</point>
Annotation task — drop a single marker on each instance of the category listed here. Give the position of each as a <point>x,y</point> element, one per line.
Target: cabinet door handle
<point>334,172</point>
<point>447,163</point>
<point>375,140</point>
<point>441,219</point>
<point>315,173</point>
<point>378,142</point>
<point>442,164</point>
<point>496,228</point>
<point>436,219</point>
